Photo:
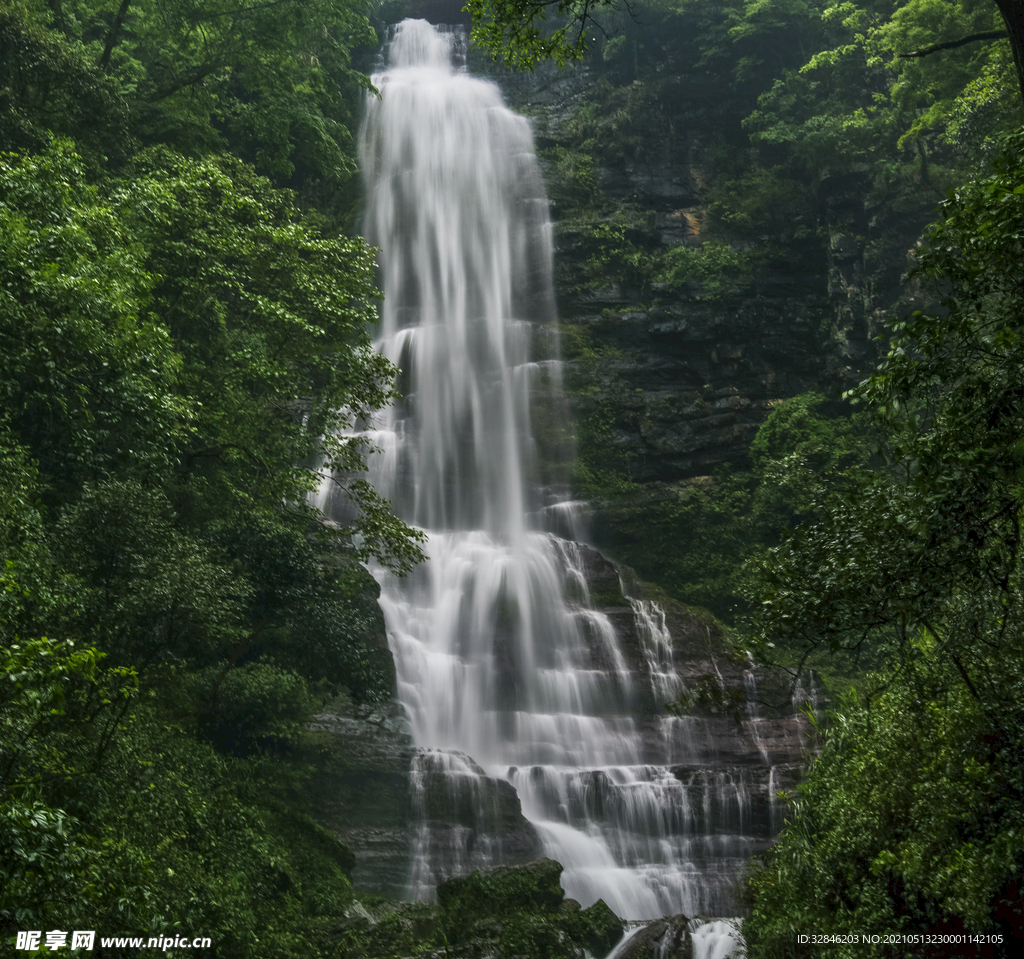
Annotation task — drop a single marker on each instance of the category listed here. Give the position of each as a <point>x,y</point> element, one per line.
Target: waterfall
<point>517,691</point>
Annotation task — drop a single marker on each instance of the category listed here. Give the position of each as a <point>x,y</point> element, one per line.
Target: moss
<point>606,599</point>
<point>603,468</point>
<point>598,928</point>
<point>503,912</point>
<point>692,541</point>
<point>319,861</point>
<point>710,698</point>
<point>504,890</point>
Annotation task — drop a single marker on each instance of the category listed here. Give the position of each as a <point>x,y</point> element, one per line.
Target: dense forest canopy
<point>184,345</point>
<point>911,811</point>
<point>185,339</point>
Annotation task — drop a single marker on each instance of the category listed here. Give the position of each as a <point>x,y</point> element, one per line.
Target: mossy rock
<point>508,912</point>
<point>667,938</point>
<point>504,890</point>
<point>523,910</point>
<point>597,927</point>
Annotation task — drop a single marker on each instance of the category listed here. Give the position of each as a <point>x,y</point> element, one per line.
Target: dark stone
<point>469,821</point>
<point>667,938</point>
<point>599,928</point>
<point>504,889</point>
<point>733,755</point>
<point>804,321</point>
<point>490,900</point>
<point>361,791</point>
<point>496,913</point>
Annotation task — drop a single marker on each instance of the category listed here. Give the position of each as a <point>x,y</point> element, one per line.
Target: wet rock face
<point>741,740</point>
<point>493,913</point>
<point>466,819</point>
<point>717,767</point>
<point>362,791</point>
<point>709,777</point>
<point>375,791</point>
<point>689,379</point>
<point>691,384</point>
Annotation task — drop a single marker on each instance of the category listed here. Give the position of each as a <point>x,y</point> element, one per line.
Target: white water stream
<point>507,672</point>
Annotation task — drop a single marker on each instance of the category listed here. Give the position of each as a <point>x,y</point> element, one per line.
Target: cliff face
<point>684,365</point>
<point>361,791</point>
<point>673,362</point>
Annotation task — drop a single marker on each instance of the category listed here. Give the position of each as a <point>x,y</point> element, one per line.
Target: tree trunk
<point>59,19</point>
<point>115,29</point>
<point>1013,15</point>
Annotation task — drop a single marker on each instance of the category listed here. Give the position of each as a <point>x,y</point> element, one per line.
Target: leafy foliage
<point>936,535</point>
<point>911,813</point>
<point>909,822</point>
<point>181,347</point>
<point>71,385</point>
<point>859,100</point>
<point>516,30</point>
<point>703,539</point>
<point>712,271</point>
<point>49,85</point>
<point>271,81</point>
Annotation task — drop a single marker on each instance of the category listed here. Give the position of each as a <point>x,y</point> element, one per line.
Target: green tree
<point>209,339</point>
<point>49,85</point>
<point>935,536</point>
<point>272,81</point>
<point>862,99</point>
<point>87,376</point>
<point>184,355</point>
<point>909,822</point>
<point>177,354</point>
<point>902,824</point>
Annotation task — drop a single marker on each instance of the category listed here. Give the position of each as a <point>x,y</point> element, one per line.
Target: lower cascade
<point>533,672</point>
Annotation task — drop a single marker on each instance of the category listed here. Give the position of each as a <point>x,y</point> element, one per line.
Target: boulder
<point>667,938</point>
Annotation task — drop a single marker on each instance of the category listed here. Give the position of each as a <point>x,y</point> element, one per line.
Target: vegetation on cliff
<point>520,33</point>
<point>182,326</point>
<point>816,109</point>
<point>757,256</point>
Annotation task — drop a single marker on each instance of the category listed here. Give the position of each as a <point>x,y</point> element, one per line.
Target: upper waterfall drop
<point>456,206</point>
<point>521,697</point>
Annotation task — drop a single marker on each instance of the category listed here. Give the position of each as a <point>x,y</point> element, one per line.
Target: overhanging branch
<point>953,44</point>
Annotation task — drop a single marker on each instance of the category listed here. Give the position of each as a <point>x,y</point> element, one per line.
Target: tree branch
<point>59,18</point>
<point>953,44</point>
<point>187,80</point>
<point>115,29</point>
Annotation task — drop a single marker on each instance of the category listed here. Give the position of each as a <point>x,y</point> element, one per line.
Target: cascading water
<point>509,675</point>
